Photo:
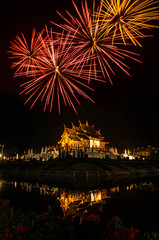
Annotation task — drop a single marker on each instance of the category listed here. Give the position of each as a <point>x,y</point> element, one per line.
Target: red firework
<point>90,43</point>
<point>27,57</point>
<point>54,73</point>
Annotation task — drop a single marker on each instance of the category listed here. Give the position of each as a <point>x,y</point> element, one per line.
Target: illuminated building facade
<point>83,136</point>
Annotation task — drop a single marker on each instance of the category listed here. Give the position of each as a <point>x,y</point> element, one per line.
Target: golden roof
<point>84,131</point>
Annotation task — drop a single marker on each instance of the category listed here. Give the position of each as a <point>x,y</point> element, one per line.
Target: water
<point>136,203</point>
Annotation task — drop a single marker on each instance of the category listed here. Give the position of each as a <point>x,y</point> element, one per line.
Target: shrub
<point>18,225</point>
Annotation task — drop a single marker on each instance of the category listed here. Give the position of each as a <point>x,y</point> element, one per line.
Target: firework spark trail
<point>55,73</point>
<point>59,64</point>
<point>128,18</point>
<point>88,41</point>
<point>26,56</point>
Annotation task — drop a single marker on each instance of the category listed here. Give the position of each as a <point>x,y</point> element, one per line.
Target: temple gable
<point>82,136</point>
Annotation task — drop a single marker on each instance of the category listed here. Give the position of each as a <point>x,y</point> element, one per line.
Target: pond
<point>136,203</point>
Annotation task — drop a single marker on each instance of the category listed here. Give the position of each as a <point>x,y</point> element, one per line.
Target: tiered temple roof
<point>72,134</point>
<point>86,131</point>
<point>83,131</point>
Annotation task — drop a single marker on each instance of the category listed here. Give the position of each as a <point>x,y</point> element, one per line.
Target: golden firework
<point>128,18</point>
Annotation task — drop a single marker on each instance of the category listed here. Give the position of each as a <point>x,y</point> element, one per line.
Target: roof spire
<point>99,131</point>
<point>79,122</point>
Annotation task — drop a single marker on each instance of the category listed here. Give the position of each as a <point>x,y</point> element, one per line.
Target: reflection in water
<point>142,186</point>
<point>76,203</point>
<point>79,203</point>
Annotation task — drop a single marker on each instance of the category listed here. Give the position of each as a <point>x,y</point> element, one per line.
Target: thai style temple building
<point>83,136</point>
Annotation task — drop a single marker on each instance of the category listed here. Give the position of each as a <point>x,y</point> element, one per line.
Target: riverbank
<point>79,172</point>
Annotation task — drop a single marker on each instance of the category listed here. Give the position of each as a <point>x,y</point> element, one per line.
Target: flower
<point>93,218</point>
<point>4,203</point>
<point>130,233</point>
<point>112,235</point>
<point>11,232</point>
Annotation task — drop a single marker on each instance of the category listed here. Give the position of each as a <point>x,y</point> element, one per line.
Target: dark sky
<point>126,113</point>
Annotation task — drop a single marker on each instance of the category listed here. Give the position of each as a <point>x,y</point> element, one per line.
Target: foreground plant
<point>18,225</point>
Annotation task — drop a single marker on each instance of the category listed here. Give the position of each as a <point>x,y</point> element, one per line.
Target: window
<point>91,143</point>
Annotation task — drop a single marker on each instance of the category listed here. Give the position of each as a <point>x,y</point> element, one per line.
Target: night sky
<point>126,113</point>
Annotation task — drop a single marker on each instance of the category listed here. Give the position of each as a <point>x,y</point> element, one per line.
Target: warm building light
<point>97,143</point>
<point>83,136</point>
<point>91,143</point>
<point>99,197</point>
<point>92,197</point>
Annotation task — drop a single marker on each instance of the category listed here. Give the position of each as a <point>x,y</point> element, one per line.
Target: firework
<point>127,18</point>
<point>92,42</point>
<point>26,56</point>
<point>89,41</point>
<point>55,74</point>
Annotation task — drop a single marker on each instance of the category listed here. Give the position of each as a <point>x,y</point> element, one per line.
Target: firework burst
<point>127,18</point>
<point>61,64</point>
<point>27,57</point>
<point>89,41</point>
<point>55,74</point>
